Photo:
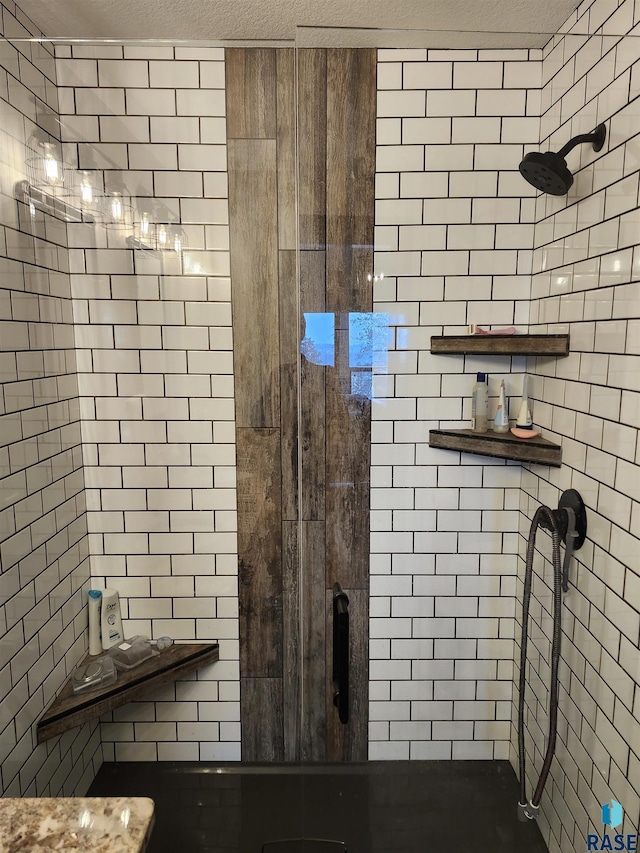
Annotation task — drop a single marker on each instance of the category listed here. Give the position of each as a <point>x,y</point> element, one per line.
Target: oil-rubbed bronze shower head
<point>549,172</point>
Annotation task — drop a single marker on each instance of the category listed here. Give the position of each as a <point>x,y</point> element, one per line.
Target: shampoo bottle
<point>524,419</point>
<point>95,608</point>
<point>111,619</point>
<point>501,420</point>
<point>479,404</point>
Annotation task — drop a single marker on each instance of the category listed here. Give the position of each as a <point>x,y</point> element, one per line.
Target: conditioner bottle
<point>479,404</point>
<point>501,420</point>
<point>111,619</point>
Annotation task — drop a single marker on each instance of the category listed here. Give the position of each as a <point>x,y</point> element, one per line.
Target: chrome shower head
<point>548,171</point>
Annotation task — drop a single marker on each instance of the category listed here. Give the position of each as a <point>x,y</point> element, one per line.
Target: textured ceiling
<point>277,19</point>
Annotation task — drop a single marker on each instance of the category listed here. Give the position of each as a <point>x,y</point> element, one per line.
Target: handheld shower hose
<point>567,523</point>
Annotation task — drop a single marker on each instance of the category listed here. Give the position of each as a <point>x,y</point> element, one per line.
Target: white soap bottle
<point>111,619</point>
<point>501,420</point>
<point>479,404</point>
<point>95,612</point>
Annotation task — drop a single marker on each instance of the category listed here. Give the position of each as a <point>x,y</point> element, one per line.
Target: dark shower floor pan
<point>377,807</point>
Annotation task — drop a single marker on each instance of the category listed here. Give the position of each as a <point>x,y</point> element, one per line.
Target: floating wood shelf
<point>71,709</point>
<point>502,445</point>
<point>552,345</point>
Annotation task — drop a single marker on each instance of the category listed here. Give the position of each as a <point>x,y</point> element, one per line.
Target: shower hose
<point>529,809</point>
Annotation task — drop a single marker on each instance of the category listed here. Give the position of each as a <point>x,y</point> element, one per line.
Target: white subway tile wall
<point>586,266</point>
<point>453,245</point>
<point>155,370</point>
<point>44,566</point>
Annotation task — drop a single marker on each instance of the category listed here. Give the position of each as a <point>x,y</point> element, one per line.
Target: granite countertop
<point>75,824</point>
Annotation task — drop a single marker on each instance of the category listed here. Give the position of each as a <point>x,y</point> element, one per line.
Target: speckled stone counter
<point>75,825</point>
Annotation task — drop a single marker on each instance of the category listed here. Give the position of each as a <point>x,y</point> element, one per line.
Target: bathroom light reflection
<point>85,820</point>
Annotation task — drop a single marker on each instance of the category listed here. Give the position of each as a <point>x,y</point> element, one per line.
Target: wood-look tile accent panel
<point>253,216</point>
<point>251,93</point>
<point>260,552</point>
<point>289,563</point>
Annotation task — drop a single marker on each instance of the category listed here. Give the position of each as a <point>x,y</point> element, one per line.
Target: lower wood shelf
<point>502,445</point>
<point>70,709</point>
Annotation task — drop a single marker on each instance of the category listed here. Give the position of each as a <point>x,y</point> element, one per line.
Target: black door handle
<point>341,652</point>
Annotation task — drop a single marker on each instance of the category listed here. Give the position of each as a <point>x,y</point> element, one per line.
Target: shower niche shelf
<point>70,709</point>
<point>501,445</point>
<point>552,345</point>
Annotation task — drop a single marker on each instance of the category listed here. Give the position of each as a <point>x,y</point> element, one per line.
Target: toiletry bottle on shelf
<point>501,420</point>
<point>524,419</point>
<point>479,404</point>
<point>111,619</point>
<point>95,608</point>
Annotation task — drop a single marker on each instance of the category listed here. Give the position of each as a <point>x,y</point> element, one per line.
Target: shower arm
<point>596,137</point>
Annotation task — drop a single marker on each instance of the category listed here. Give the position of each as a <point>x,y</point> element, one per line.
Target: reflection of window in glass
<point>318,345</point>
<point>365,355</point>
<point>368,336</point>
<point>362,383</point>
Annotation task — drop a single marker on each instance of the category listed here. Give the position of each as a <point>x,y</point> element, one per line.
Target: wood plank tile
<point>312,147</point>
<point>261,700</point>
<point>251,93</point>
<point>286,148</point>
<point>350,206</point>
<point>254,274</point>
<point>348,459</point>
<point>314,735</point>
<point>350,209</point>
<point>312,389</point>
<point>260,552</point>
<point>292,661</point>
<point>351,97</point>
<point>289,390</point>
